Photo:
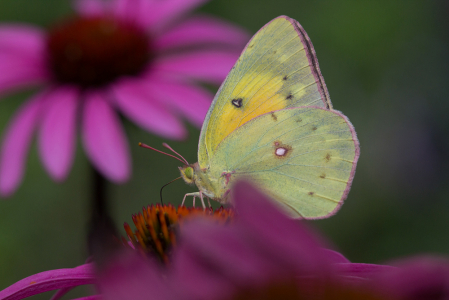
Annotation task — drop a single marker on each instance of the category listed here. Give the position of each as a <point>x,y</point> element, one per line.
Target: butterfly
<point>272,122</point>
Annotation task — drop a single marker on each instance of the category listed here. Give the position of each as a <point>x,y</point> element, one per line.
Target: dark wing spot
<point>274,117</point>
<point>323,176</point>
<point>328,157</point>
<point>285,77</point>
<point>314,127</point>
<point>290,96</point>
<point>311,193</point>
<point>237,102</point>
<point>250,46</point>
<point>299,120</point>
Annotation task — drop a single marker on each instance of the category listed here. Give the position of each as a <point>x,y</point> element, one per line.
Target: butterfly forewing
<point>278,69</point>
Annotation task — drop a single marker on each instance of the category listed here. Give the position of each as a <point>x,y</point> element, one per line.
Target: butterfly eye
<point>189,173</point>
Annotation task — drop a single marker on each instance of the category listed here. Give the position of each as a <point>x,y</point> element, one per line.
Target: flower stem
<point>102,233</point>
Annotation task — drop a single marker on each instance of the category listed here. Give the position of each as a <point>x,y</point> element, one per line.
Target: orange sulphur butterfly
<point>272,122</point>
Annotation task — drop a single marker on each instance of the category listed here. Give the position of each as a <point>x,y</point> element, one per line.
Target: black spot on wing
<point>274,117</point>
<point>238,102</point>
<point>285,77</point>
<point>289,97</point>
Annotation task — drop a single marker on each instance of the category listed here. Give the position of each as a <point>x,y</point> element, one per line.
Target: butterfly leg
<point>202,200</point>
<point>194,195</point>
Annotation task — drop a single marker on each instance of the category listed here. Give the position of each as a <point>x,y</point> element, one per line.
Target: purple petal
<point>22,58</point>
<point>60,293</point>
<point>281,237</point>
<point>104,139</point>
<point>22,38</point>
<point>132,99</point>
<point>202,30</point>
<point>224,250</point>
<point>334,257</point>
<point>48,281</point>
<point>191,101</point>
<point>94,297</point>
<point>89,8</point>
<point>16,143</point>
<point>131,277</point>
<point>360,271</point>
<point>161,13</point>
<point>56,141</point>
<point>192,278</point>
<point>19,71</point>
<point>417,278</point>
<point>207,66</point>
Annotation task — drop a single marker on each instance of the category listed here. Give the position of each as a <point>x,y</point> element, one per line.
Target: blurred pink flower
<point>260,252</point>
<point>138,57</point>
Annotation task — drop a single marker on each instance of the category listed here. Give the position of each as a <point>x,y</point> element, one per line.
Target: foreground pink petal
<point>16,143</point>
<point>191,101</point>
<point>48,281</point>
<point>104,139</point>
<point>197,65</point>
<point>140,107</point>
<point>130,277</point>
<point>259,214</point>
<point>56,141</point>
<point>424,277</point>
<point>202,30</point>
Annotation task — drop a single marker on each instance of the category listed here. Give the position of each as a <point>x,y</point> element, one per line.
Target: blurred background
<point>386,66</point>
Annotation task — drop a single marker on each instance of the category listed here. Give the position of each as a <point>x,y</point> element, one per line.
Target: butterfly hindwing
<point>278,69</point>
<point>304,157</point>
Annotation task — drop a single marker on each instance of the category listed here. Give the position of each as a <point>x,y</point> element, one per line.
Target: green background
<point>386,66</point>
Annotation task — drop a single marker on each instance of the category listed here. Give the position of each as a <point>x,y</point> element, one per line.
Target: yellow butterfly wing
<point>303,157</point>
<point>277,69</point>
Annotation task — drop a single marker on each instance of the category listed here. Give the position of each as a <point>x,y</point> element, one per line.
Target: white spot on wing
<point>281,151</point>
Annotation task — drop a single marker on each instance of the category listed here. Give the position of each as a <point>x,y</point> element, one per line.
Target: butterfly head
<point>187,173</point>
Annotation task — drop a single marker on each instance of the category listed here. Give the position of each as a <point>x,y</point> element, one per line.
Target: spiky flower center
<point>93,52</point>
<point>157,226</point>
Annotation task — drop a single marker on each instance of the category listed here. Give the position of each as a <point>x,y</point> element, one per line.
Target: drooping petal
<point>164,12</point>
<point>104,138</point>
<point>202,30</point>
<point>16,143</point>
<point>191,101</point>
<point>198,65</point>
<point>141,107</point>
<point>48,281</point>
<point>56,140</point>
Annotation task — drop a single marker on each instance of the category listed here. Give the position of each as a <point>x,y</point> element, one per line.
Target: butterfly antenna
<point>170,148</point>
<point>160,193</point>
<point>151,148</point>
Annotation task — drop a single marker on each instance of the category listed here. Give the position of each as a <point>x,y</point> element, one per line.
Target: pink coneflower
<point>135,57</point>
<point>259,254</point>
